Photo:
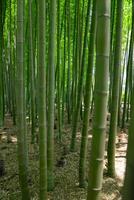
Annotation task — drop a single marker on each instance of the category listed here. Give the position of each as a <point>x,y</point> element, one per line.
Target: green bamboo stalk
<point>58,69</point>
<point>20,98</point>
<point>83,150</point>
<point>64,68</point>
<point>51,95</point>
<point>42,99</point>
<point>113,14</point>
<point>69,58</point>
<point>127,81</point>
<point>76,56</point>
<point>76,112</point>
<point>74,81</point>
<point>122,79</point>
<point>32,73</point>
<point>82,20</point>
<point>1,70</point>
<point>115,91</point>
<point>100,99</point>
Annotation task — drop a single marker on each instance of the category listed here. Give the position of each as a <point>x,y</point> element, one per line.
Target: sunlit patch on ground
<point>120,159</point>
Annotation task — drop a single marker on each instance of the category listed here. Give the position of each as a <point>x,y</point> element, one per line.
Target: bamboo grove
<point>68,63</point>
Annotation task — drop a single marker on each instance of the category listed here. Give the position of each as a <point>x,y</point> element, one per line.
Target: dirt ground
<point>66,178</point>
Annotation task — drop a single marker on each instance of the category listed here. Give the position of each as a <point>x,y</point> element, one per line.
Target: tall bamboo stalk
<point>100,99</point>
<point>115,91</point>
<point>83,150</point>
<point>42,99</point>
<point>20,100</point>
<point>51,95</point>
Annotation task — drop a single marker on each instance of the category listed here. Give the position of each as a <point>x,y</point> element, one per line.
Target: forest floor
<point>66,178</point>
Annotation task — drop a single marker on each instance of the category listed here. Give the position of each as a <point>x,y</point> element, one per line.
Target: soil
<point>66,177</point>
